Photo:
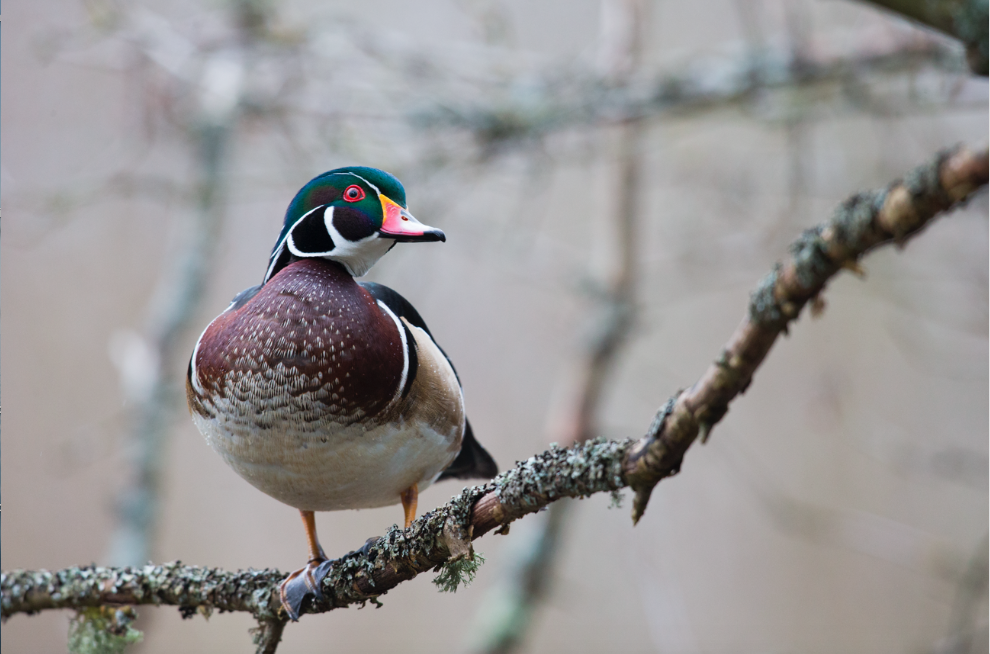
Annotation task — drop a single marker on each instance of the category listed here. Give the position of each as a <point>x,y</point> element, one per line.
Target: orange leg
<point>305,581</point>
<point>410,497</point>
<point>315,551</point>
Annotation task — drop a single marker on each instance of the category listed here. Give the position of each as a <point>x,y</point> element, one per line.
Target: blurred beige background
<point>835,509</point>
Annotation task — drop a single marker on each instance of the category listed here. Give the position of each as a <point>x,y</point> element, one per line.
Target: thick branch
<point>861,223</point>
<point>174,584</point>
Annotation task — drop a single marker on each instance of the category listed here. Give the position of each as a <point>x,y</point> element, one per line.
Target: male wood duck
<point>324,392</point>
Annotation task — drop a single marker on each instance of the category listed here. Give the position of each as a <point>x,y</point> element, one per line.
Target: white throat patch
<point>356,256</point>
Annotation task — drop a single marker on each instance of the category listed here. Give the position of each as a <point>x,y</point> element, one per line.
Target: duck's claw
<point>301,583</point>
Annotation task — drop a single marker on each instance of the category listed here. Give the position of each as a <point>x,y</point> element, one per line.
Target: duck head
<point>350,215</point>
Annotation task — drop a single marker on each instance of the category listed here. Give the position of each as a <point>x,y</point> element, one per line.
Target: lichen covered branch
<point>863,222</point>
<point>188,587</point>
<point>357,577</point>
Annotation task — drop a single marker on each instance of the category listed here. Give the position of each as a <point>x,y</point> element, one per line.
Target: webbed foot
<point>301,583</point>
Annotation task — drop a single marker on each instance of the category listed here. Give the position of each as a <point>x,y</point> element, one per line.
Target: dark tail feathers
<point>473,462</point>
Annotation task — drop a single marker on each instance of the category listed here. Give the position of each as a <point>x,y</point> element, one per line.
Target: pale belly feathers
<point>317,464</point>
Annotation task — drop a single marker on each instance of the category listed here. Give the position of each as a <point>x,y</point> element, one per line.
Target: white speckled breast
<point>280,420</point>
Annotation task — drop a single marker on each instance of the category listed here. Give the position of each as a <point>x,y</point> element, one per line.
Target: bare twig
<point>268,634</point>
<point>860,224</point>
<point>752,83</point>
<point>470,98</point>
<point>964,19</point>
<point>968,616</point>
<point>140,360</point>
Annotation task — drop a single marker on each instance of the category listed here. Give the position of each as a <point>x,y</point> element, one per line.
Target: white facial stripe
<point>405,349</point>
<point>328,221</point>
<point>303,255</point>
<point>356,256</point>
<point>275,256</point>
<point>282,243</point>
<point>277,252</point>
<point>363,180</point>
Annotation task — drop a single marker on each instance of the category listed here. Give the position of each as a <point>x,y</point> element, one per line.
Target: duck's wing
<point>473,461</point>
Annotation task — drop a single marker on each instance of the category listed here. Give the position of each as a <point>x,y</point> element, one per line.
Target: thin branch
<point>470,96</point>
<point>220,92</point>
<point>268,634</point>
<point>966,20</point>
<point>968,618</point>
<point>752,83</point>
<point>860,224</point>
<point>149,384</point>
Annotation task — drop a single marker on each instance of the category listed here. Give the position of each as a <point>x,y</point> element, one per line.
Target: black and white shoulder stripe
<point>404,315</point>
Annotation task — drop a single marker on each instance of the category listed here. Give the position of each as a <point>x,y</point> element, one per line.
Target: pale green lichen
<point>661,415</point>
<point>419,548</point>
<point>103,630</point>
<point>763,307</point>
<point>850,231</point>
<point>579,471</point>
<point>852,224</point>
<point>969,20</point>
<point>925,186</point>
<point>169,583</point>
<point>811,260</point>
<point>458,571</point>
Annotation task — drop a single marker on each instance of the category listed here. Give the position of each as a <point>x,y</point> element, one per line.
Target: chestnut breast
<point>311,332</point>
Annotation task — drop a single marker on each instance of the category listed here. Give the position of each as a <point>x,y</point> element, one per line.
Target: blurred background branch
<point>966,20</point>
<point>146,362</point>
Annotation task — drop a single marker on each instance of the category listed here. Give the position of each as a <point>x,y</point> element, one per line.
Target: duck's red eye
<point>353,193</point>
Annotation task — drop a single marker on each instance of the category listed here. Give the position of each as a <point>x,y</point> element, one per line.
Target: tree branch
<point>861,223</point>
<point>707,84</point>
<point>965,20</point>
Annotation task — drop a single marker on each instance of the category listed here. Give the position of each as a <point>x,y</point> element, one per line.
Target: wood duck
<point>324,392</point>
